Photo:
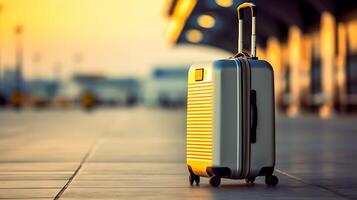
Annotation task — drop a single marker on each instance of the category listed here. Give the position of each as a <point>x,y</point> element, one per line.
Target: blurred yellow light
<point>294,56</point>
<point>328,68</point>
<point>180,15</point>
<point>351,34</point>
<point>224,3</point>
<point>194,36</point>
<point>206,21</point>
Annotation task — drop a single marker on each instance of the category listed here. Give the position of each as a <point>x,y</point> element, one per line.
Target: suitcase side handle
<point>253,11</point>
<point>254,115</point>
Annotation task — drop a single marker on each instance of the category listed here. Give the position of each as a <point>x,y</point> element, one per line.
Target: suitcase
<point>230,117</point>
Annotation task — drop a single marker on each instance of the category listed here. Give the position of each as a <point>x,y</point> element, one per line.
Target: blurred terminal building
<point>104,91</point>
<point>36,92</point>
<point>108,91</point>
<point>311,44</point>
<point>166,87</point>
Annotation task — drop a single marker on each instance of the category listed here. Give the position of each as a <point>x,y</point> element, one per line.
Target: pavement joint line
<point>27,198</point>
<point>31,179</point>
<point>85,158</point>
<point>28,188</point>
<point>313,184</point>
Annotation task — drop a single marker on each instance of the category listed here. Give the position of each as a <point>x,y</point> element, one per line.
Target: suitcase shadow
<point>237,185</point>
<point>243,185</point>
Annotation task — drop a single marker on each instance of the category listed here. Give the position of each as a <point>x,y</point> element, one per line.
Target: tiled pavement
<point>139,153</point>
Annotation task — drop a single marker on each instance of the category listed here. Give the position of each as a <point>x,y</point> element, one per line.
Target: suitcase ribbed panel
<point>199,121</point>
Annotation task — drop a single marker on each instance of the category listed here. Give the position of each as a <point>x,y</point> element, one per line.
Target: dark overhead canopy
<point>274,17</point>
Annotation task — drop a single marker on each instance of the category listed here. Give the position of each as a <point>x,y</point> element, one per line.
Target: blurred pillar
<point>284,84</point>
<point>306,62</point>
<point>327,49</point>
<point>274,57</point>
<point>341,67</point>
<point>294,48</point>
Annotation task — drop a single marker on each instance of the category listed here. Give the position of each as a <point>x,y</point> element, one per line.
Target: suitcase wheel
<point>250,180</point>
<point>194,178</point>
<point>215,181</point>
<point>271,180</point>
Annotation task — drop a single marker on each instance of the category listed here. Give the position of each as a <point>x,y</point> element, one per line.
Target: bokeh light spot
<point>194,36</point>
<point>206,21</point>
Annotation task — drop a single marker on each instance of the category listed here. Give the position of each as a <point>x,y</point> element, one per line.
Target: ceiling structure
<point>215,23</point>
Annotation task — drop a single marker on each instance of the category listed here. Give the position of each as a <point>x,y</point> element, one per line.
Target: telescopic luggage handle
<point>253,11</point>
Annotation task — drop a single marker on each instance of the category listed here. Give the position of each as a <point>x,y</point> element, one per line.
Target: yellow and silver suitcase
<point>230,117</point>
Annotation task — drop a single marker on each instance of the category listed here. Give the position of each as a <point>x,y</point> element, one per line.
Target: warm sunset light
<point>109,35</point>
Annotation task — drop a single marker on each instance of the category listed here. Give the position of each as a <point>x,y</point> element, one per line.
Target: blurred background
<point>61,54</point>
<point>66,54</point>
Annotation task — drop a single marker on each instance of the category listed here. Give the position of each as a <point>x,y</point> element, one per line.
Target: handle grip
<point>241,7</point>
<point>254,116</point>
<point>253,11</point>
